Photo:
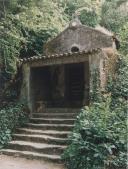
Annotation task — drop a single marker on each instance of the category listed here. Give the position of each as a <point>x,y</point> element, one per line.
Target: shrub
<point>99,138</point>
<point>119,87</point>
<point>11,117</point>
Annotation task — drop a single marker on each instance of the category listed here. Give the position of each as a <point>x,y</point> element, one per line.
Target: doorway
<point>74,84</point>
<point>60,85</point>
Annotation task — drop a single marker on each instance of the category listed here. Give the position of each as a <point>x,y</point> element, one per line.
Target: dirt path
<point>7,162</point>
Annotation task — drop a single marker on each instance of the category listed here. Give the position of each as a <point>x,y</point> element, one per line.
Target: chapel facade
<point>63,76</point>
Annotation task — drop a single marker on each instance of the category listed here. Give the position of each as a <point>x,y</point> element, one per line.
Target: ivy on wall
<point>99,138</point>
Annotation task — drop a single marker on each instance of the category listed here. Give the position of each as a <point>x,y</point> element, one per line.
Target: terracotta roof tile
<point>36,58</point>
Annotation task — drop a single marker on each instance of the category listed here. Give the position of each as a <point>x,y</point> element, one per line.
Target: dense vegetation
<point>26,25</point>
<point>11,116</point>
<point>99,137</point>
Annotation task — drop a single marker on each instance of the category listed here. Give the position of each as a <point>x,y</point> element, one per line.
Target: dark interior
<point>45,85</point>
<point>41,86</point>
<point>74,83</point>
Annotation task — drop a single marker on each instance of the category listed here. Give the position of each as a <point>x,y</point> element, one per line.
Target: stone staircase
<point>44,137</point>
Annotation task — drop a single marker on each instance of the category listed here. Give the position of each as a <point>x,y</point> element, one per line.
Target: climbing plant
<point>99,138</point>
<point>95,92</point>
<point>123,34</point>
<point>11,116</point>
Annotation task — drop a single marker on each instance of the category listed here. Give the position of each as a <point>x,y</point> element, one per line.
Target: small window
<point>74,49</point>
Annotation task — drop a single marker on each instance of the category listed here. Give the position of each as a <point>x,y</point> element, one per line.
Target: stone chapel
<point>62,77</point>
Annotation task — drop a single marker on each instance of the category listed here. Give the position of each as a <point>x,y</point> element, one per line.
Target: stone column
<point>25,89</point>
<point>86,83</point>
<point>95,72</point>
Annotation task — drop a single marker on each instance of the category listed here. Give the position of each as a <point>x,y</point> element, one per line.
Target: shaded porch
<point>64,85</point>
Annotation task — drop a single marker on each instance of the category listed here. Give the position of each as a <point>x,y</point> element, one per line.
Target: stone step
<point>45,136</point>
<point>51,121</point>
<point>32,155</point>
<point>61,110</point>
<point>36,147</point>
<point>54,133</point>
<point>58,127</point>
<point>54,115</point>
<point>40,139</point>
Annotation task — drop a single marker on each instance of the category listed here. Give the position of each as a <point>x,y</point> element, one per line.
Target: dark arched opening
<point>74,49</point>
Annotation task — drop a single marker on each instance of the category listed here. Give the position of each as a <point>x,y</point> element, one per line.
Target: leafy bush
<point>99,138</point>
<point>89,17</point>
<point>88,11</point>
<point>113,15</point>
<point>10,117</point>
<point>119,87</point>
<point>123,34</point>
<point>24,28</point>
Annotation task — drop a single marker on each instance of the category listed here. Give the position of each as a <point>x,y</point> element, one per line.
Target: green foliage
<point>113,15</point>
<point>7,5</point>
<point>95,92</point>
<point>9,44</point>
<point>89,17</point>
<point>87,10</point>
<point>27,25</point>
<point>123,34</point>
<point>39,25</point>
<point>99,138</point>
<point>10,117</point>
<point>119,87</point>
<point>24,29</point>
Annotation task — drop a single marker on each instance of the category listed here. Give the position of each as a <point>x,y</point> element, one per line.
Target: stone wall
<point>91,61</point>
<point>108,64</point>
<point>82,37</point>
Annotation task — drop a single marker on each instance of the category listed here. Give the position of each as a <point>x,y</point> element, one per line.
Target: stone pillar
<point>94,68</point>
<point>86,83</point>
<point>25,88</point>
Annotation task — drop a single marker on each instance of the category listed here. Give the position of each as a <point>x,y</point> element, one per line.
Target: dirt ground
<point>8,162</point>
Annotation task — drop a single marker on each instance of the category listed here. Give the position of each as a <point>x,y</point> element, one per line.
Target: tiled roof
<point>37,58</point>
